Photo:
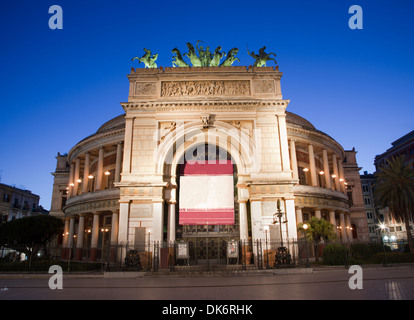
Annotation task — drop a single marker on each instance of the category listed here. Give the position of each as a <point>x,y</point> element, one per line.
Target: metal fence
<point>203,255</point>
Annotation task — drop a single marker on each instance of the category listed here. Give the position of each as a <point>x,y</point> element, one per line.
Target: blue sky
<point>59,86</point>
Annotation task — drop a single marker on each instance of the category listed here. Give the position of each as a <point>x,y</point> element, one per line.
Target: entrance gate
<point>208,244</point>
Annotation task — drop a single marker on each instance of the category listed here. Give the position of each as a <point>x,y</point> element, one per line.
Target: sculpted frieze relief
<point>205,88</point>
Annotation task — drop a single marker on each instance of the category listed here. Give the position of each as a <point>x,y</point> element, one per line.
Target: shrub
<point>335,254</point>
<point>393,257</point>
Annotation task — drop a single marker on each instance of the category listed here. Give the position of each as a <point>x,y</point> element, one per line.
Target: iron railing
<point>204,255</point>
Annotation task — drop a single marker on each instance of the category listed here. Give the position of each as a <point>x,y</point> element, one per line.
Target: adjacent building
<point>374,217</point>
<point>16,203</point>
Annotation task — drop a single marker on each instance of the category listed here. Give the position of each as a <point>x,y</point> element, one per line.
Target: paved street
<point>378,284</point>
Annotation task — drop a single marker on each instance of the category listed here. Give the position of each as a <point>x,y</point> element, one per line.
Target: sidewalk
<point>188,273</point>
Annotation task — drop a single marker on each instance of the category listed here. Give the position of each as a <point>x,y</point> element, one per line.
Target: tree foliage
<point>394,188</point>
<point>26,232</point>
<point>318,229</point>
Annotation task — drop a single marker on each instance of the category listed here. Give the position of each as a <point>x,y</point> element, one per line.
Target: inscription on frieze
<point>141,210</point>
<point>205,88</point>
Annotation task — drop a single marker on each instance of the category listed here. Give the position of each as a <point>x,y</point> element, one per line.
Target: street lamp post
<point>282,254</point>
<point>382,226</point>
<point>267,251</point>
<point>278,215</point>
<point>305,227</point>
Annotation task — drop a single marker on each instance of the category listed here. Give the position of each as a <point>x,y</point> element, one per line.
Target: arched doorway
<point>207,210</point>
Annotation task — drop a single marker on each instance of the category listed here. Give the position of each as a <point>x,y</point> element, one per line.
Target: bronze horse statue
<point>147,59</point>
<point>261,58</point>
<point>231,57</point>
<point>178,60</point>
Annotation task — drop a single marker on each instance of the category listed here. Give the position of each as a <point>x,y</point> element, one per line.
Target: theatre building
<point>202,157</point>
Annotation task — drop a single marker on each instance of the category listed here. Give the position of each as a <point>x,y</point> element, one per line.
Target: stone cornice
<point>211,105</point>
<point>94,141</point>
<point>319,136</point>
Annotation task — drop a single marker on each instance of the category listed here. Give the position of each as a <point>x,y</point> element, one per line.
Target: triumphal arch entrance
<point>206,157</point>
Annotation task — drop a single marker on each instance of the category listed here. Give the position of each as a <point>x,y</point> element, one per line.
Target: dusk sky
<point>59,86</point>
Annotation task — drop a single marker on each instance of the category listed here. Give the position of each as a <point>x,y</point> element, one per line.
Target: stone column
<point>99,171</point>
<point>118,162</point>
<point>292,232</point>
<point>283,140</point>
<point>256,215</point>
<point>70,236</point>
<point>257,226</point>
<point>95,235</point>
<point>318,214</point>
<point>326,169</point>
<point>299,215</point>
<point>341,176</point>
<point>244,228</point>
<point>332,218</point>
<point>171,222</point>
<point>85,182</point>
<point>71,184</point>
<point>336,173</point>
<point>312,169</point>
<point>81,236</point>
<point>343,227</point>
<point>65,239</point>
<point>158,222</point>
<point>76,177</point>
<point>293,160</point>
<point>299,219</point>
<point>126,164</point>
<point>123,223</point>
<point>114,227</point>
<point>113,249</point>
<point>348,227</point>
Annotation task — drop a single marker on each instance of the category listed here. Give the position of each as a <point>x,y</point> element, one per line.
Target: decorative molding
<point>242,125</point>
<point>264,86</point>
<point>205,118</point>
<point>215,105</point>
<point>145,88</point>
<point>205,88</point>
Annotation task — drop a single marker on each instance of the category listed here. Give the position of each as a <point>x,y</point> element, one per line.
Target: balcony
<point>102,200</point>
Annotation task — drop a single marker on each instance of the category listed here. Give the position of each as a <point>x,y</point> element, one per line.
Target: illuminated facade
<point>132,181</point>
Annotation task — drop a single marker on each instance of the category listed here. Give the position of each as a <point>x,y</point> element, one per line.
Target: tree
<point>318,230</point>
<point>394,188</point>
<point>26,233</point>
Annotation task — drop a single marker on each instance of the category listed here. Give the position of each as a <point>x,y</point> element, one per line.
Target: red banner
<point>206,193</point>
